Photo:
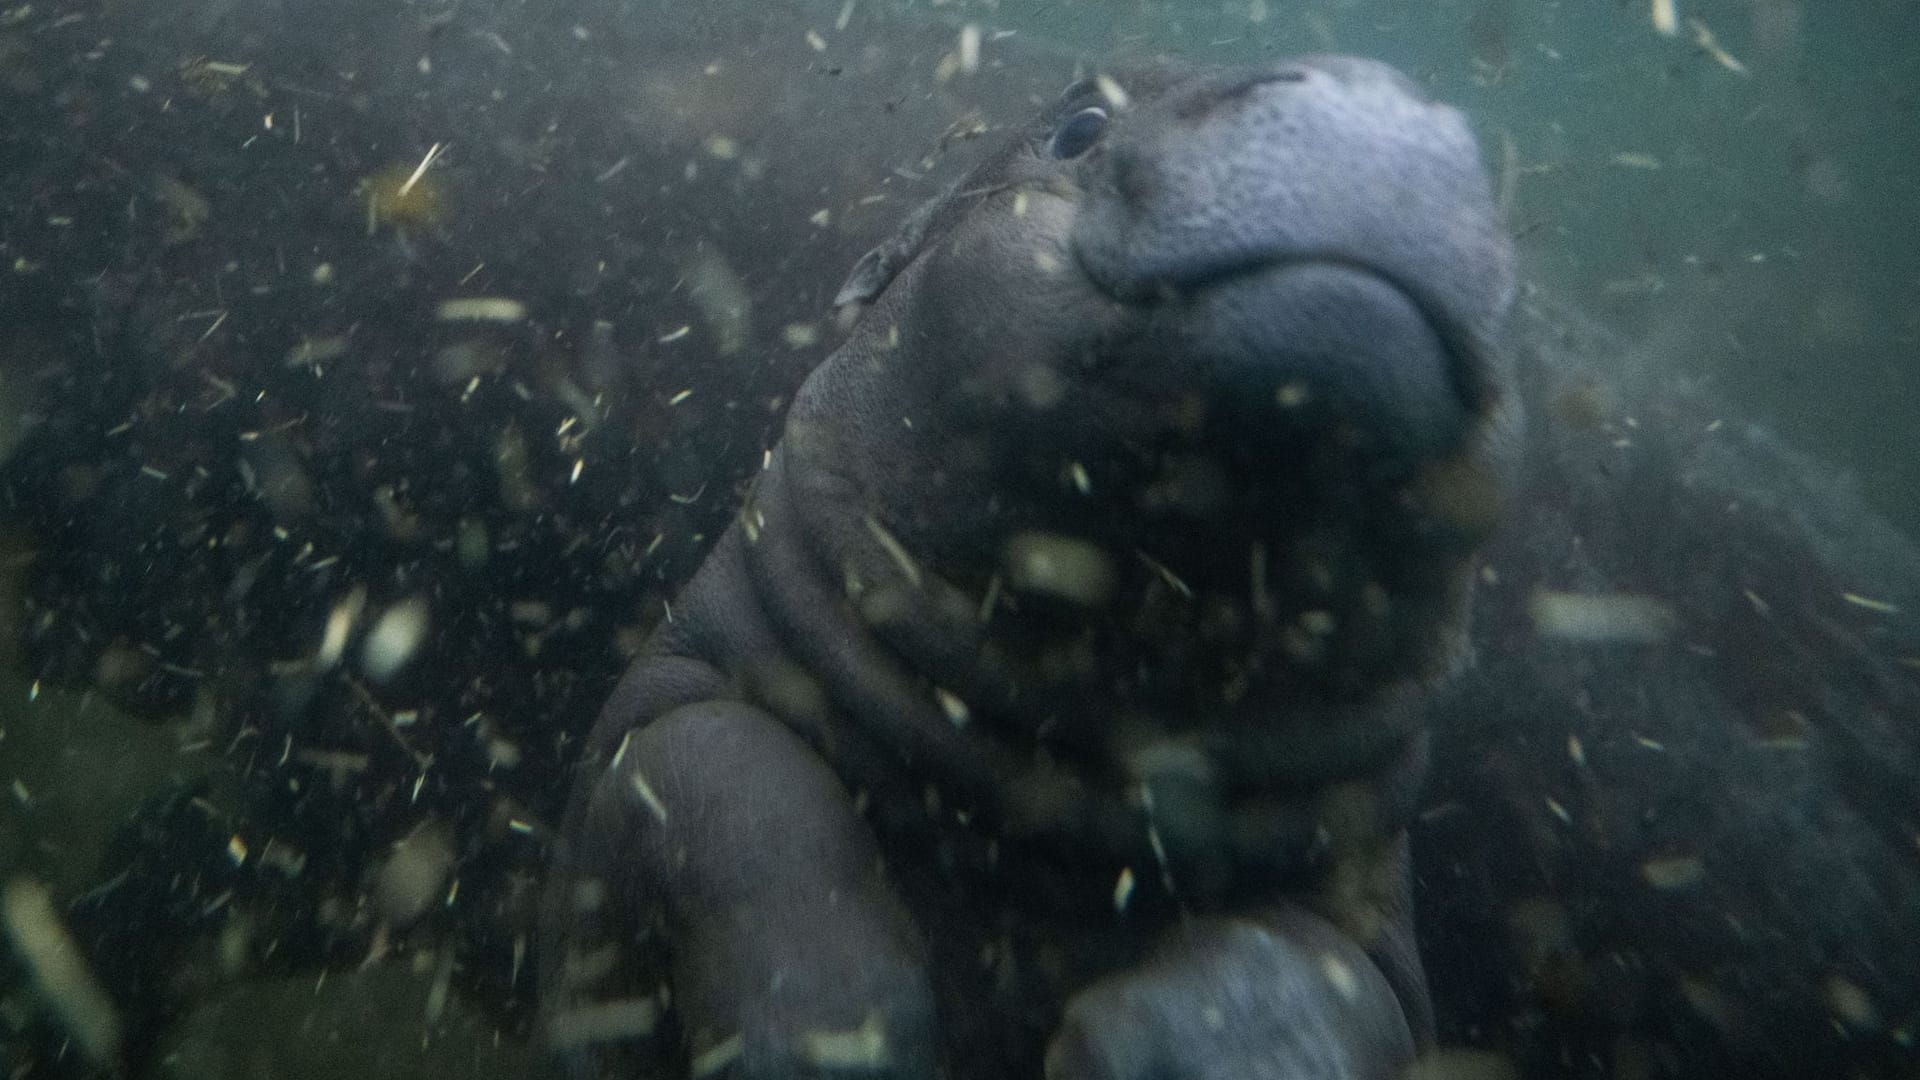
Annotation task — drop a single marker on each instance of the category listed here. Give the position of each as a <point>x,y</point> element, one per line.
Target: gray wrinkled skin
<point>1054,703</point>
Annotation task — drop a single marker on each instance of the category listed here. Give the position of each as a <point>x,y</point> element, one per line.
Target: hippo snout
<point>1333,159</point>
<point>1318,222</point>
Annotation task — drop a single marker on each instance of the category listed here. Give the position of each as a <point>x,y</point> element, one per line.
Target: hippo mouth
<point>1324,340</point>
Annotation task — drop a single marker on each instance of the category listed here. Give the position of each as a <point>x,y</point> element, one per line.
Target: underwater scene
<point>963,539</point>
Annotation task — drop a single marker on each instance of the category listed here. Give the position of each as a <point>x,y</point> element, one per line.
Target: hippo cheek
<point>1016,316</point>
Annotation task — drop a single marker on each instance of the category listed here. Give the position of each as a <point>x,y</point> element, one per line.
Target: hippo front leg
<point>718,855</point>
<point>1279,996</point>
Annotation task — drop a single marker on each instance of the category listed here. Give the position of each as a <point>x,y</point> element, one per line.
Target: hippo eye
<point>1077,133</point>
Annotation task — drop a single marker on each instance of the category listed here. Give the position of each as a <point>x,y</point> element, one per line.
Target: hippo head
<point>1193,395</point>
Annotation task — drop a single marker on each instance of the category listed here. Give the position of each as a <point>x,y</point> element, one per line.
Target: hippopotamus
<point>1054,703</point>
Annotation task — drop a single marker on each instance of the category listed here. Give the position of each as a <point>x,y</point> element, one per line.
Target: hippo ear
<point>877,268</point>
<point>871,274</point>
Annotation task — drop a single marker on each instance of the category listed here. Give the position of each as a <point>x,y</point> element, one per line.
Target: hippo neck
<point>815,572</point>
<point>919,704</point>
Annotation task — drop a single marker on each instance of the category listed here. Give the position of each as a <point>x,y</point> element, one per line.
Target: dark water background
<point>1751,229</point>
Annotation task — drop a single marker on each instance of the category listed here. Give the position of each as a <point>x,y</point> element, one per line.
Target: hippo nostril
<point>1229,93</point>
<point>1354,72</point>
<point>1251,83</point>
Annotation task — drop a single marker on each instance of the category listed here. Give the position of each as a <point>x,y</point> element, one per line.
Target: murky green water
<point>186,206</point>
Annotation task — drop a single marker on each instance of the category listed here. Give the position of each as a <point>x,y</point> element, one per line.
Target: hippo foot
<point>1286,997</point>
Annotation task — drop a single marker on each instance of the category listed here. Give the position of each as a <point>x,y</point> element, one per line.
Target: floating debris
<point>311,352</point>
<point>1457,1064</point>
<point>1851,1004</point>
<point>59,971</point>
<point>187,209</point>
<point>497,309</point>
<point>340,623</point>
<point>471,543</point>
<point>1783,729</point>
<point>208,332</point>
<point>606,1021</point>
<point>1671,872</point>
<point>1704,38</point>
<point>956,710</point>
<point>1878,607</point>
<point>284,858</point>
<point>225,69</point>
<point>405,197</point>
<point>467,362</point>
<point>1059,566</point>
<point>722,298</point>
<point>394,639</point>
<point>857,1050</point>
<point>340,763</point>
<point>414,876</point>
<point>419,171</point>
<point>1597,617</point>
<point>1708,1000</point>
<point>1341,975</point>
<point>514,470</point>
<point>895,550</point>
<point>1666,20</point>
<point>717,1057</point>
<point>1123,889</point>
<point>646,794</point>
<point>969,49</point>
<point>502,753</point>
<point>1166,574</point>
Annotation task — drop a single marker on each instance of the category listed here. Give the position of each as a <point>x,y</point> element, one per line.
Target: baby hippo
<point>1053,707</point>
